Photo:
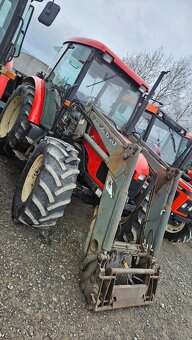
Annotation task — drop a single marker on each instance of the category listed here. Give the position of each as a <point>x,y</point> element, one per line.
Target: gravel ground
<point>40,296</point>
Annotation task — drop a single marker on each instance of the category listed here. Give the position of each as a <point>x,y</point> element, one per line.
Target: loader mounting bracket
<point>122,287</point>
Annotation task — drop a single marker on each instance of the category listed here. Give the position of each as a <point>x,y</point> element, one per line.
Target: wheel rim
<point>10,116</point>
<point>31,178</point>
<point>174,229</point>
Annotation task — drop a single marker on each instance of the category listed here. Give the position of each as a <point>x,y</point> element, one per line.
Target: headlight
<point>184,205</point>
<point>141,177</point>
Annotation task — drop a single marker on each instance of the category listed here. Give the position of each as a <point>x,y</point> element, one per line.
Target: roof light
<point>108,58</point>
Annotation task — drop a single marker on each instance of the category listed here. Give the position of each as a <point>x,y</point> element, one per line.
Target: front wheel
<point>181,232</point>
<point>46,184</point>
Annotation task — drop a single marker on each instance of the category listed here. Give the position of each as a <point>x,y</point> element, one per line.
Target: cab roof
<point>100,46</point>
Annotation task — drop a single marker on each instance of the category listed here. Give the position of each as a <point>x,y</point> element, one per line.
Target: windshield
<point>166,142</point>
<point>7,9</point>
<point>107,90</point>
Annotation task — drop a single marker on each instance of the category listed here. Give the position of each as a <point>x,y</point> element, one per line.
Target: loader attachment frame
<point>118,274</point>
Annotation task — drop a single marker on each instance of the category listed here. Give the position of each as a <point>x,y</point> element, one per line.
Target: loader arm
<point>107,261</point>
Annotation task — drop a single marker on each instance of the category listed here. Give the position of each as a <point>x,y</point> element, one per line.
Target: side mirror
<point>49,13</point>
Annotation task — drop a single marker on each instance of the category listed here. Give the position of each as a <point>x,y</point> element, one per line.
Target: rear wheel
<point>180,232</point>
<point>46,184</point>
<point>14,124</point>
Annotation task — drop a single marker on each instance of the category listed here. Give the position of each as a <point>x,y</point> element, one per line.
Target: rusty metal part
<point>140,250</point>
<point>133,271</point>
<point>112,295</point>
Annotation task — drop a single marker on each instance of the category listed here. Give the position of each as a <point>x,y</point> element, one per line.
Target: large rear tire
<point>178,233</point>
<point>14,124</point>
<point>46,184</point>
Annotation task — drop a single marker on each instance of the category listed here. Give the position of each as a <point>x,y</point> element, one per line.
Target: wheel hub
<point>173,229</point>
<point>10,116</point>
<point>31,178</point>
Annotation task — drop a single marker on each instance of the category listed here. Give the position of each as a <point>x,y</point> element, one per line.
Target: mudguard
<point>37,106</point>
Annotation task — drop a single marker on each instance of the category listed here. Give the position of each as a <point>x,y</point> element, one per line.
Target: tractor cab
<point>173,145</point>
<point>163,136</point>
<point>14,19</point>
<point>87,71</point>
<point>15,16</point>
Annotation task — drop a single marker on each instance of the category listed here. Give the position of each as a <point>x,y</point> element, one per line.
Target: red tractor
<point>86,72</point>
<point>15,17</point>
<point>74,130</point>
<point>171,142</point>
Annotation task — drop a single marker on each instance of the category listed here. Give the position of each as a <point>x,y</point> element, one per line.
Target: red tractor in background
<point>169,141</point>
<point>74,129</point>
<point>15,17</point>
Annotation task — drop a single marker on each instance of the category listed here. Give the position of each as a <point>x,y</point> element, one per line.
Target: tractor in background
<point>15,17</point>
<point>75,130</point>
<point>171,142</point>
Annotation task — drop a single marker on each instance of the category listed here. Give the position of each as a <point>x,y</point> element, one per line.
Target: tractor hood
<point>94,162</point>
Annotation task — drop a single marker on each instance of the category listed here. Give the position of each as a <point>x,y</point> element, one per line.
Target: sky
<point>123,25</point>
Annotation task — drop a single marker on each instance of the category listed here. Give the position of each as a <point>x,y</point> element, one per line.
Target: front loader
<point>74,129</point>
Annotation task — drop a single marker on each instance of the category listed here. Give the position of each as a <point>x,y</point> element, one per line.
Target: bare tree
<point>175,91</point>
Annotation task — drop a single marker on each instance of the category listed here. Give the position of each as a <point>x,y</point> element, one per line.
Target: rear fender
<point>37,106</point>
<point>4,79</point>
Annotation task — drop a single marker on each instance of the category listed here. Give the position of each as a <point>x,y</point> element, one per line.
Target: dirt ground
<point>40,296</point>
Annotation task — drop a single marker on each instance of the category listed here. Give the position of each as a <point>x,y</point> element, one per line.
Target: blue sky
<point>123,25</point>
